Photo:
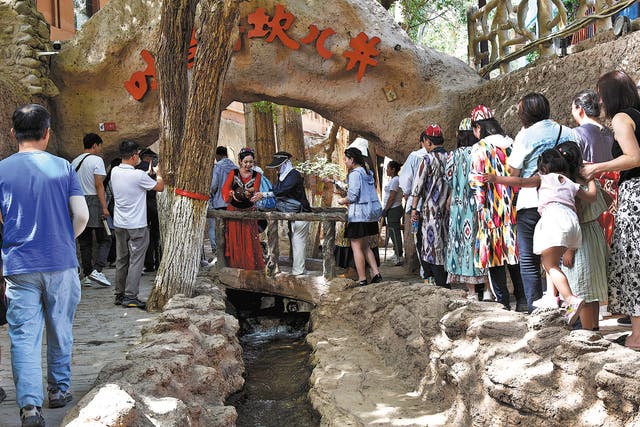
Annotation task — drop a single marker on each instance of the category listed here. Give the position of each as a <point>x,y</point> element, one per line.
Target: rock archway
<point>91,70</point>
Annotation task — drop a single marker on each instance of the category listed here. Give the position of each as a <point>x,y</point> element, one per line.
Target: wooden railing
<point>498,31</point>
<point>328,217</point>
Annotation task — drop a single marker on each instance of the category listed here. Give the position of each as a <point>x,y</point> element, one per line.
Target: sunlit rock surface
<point>401,354</point>
<point>188,363</point>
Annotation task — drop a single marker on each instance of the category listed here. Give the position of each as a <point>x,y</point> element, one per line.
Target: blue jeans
<point>526,220</point>
<point>212,234</point>
<point>36,300</point>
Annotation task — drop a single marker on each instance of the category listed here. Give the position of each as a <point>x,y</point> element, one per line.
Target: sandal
<point>621,339</point>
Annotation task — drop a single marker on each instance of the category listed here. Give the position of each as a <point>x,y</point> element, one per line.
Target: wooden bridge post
<point>220,242</point>
<point>328,244</point>
<point>273,248</point>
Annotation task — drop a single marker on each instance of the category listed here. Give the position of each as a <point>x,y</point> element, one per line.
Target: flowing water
<point>277,371</point>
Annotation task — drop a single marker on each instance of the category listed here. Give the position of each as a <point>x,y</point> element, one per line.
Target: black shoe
<point>134,303</point>
<point>362,283</point>
<point>149,270</point>
<point>522,308</point>
<point>59,398</point>
<point>31,416</point>
<point>118,299</point>
<point>3,394</point>
<point>624,321</point>
<point>377,278</point>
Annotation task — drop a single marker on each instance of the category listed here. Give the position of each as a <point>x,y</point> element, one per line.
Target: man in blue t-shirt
<point>43,210</point>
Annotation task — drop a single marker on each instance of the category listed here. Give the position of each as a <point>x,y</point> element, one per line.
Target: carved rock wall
<point>558,79</point>
<point>446,361</point>
<point>11,96</point>
<point>24,32</point>
<point>188,363</point>
<point>92,69</point>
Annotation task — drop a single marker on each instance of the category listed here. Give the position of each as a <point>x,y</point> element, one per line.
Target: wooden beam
<point>304,288</point>
<point>327,214</point>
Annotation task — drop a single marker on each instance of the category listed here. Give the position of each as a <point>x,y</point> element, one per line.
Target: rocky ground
<point>393,354</point>
<point>133,368</point>
<point>409,354</point>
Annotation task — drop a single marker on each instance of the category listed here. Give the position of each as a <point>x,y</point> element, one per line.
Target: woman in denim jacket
<point>363,215</point>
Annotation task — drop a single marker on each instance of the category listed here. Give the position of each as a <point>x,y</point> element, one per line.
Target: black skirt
<point>357,230</point>
<point>344,256</point>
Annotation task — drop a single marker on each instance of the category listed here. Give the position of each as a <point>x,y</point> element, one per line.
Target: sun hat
<point>278,159</point>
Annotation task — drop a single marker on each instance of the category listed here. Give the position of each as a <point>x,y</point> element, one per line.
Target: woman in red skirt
<point>240,192</point>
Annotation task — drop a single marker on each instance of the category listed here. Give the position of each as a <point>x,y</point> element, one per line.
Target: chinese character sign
<point>260,24</point>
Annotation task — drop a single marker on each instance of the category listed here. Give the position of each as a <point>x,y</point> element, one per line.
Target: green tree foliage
<point>440,24</point>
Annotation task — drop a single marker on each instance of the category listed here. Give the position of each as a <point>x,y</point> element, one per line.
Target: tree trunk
<point>258,124</point>
<point>189,146</point>
<point>289,131</point>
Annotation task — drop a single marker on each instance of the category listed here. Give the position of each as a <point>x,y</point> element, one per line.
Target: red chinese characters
<point>137,85</point>
<point>276,27</point>
<point>364,50</point>
<point>324,35</point>
<point>261,25</point>
<point>193,47</point>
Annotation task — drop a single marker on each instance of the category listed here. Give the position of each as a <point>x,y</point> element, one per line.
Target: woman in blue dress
<point>463,219</point>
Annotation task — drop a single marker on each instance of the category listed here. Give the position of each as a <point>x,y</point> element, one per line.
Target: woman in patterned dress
<point>430,186</point>
<point>586,266</point>
<point>621,104</point>
<point>495,247</point>
<point>463,217</point>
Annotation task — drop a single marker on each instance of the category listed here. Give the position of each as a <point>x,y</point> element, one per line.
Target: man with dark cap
<point>289,188</point>
<point>130,188</point>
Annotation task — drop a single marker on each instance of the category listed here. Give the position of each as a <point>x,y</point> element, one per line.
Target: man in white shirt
<point>407,173</point>
<point>130,188</point>
<point>90,169</point>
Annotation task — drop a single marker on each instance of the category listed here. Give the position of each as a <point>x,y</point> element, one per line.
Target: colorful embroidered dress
<point>430,185</point>
<point>242,248</point>
<point>496,239</point>
<point>463,221</point>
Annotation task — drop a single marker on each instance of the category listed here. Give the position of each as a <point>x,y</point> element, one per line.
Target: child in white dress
<point>558,228</point>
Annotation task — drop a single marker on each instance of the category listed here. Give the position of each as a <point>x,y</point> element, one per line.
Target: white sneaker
<point>398,261</point>
<point>547,301</point>
<point>472,297</point>
<point>487,295</point>
<point>87,282</point>
<point>99,278</point>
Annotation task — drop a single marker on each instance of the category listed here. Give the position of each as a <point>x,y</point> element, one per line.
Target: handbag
<point>267,203</point>
<point>288,205</point>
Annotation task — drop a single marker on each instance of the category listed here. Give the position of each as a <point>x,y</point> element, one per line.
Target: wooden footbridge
<point>309,287</point>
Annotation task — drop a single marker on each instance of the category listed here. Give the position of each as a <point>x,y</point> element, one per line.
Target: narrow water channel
<point>277,369</point>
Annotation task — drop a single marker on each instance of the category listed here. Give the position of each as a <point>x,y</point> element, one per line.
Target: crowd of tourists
<point>544,199</point>
<point>539,207</point>
<point>494,204</point>
<point>46,203</point>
